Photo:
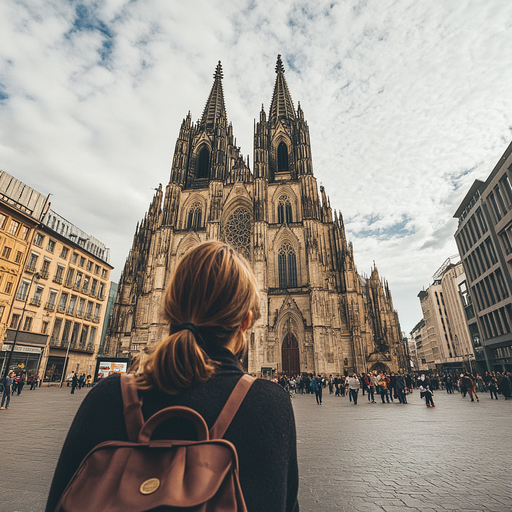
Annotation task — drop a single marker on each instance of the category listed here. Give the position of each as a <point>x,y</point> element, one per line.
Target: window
<point>59,274</point>
<point>238,230</point>
<point>52,299</point>
<point>64,253</point>
<point>69,277</point>
<point>94,286</point>
<point>101,291</point>
<point>71,306</point>
<point>287,266</point>
<point>13,227</point>
<point>82,261</point>
<point>282,157</point>
<point>38,240</point>
<point>74,334</point>
<point>92,335</point>
<point>88,312</point>
<point>78,280</point>
<point>27,324</point>
<point>8,287</point>
<point>74,258</point>
<point>2,308</point>
<point>104,273</point>
<point>81,306</point>
<point>87,280</point>
<point>89,266</point>
<point>36,299</point>
<point>501,283</point>
<point>24,232</point>
<point>19,256</point>
<point>44,328</point>
<point>14,321</point>
<point>51,245</point>
<point>31,266</point>
<point>6,252</point>
<point>66,331</point>
<point>83,336</point>
<point>506,242</point>
<point>2,220</point>
<point>62,302</point>
<point>22,290</point>
<point>193,220</point>
<point>496,208</point>
<point>499,198</point>
<point>507,187</point>
<point>97,310</point>
<point>481,220</point>
<point>96,269</point>
<point>45,269</point>
<point>284,210</point>
<point>203,163</point>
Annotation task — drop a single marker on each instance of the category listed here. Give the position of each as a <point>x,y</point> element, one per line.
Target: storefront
<point>25,359</point>
<point>54,369</point>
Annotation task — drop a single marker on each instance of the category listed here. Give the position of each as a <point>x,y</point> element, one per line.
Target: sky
<point>407,104</point>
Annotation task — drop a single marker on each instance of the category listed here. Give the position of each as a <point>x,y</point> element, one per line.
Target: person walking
<point>353,387</point>
<point>370,387</point>
<point>493,386</point>
<point>21,383</point>
<point>6,395</point>
<point>383,387</point>
<point>210,304</point>
<point>425,391</point>
<point>469,383</point>
<point>400,388</point>
<point>35,382</point>
<point>74,383</point>
<point>317,388</point>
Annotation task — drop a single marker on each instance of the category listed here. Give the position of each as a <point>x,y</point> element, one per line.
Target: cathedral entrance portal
<point>290,353</point>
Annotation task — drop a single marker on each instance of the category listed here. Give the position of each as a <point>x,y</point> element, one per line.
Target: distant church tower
<point>318,313</point>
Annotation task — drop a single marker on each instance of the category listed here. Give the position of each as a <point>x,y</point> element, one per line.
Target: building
<point>318,313</point>
<point>60,304</point>
<point>21,210</point>
<point>484,241</point>
<point>444,335</point>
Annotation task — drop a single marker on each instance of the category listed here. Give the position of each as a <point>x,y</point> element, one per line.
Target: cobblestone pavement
<point>368,458</point>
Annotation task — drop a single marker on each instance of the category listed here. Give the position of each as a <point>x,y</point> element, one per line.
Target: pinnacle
<point>214,109</point>
<point>279,65</point>
<point>218,72</point>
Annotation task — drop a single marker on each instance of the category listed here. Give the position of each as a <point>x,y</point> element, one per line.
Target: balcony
<point>22,296</point>
<point>50,306</point>
<point>35,301</point>
<point>76,287</point>
<point>85,289</point>
<point>31,268</point>
<point>44,274</point>
<point>61,308</point>
<point>57,279</point>
<point>68,284</point>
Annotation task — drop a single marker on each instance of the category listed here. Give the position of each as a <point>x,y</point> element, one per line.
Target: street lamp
<point>35,276</point>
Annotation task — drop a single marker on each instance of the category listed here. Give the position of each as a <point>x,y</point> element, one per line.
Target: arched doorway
<point>379,367</point>
<point>290,352</point>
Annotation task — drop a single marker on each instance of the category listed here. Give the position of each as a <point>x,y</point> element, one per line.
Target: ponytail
<point>177,363</point>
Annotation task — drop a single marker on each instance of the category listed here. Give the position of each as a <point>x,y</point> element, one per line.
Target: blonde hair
<point>213,288</point>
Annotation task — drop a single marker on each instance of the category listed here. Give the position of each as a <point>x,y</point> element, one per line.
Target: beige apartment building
<point>21,209</point>
<point>63,288</point>
<point>444,334</point>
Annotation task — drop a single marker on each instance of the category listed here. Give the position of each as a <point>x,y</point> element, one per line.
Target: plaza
<point>368,457</point>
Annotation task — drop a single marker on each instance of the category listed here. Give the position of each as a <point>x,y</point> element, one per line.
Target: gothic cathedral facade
<point>318,314</point>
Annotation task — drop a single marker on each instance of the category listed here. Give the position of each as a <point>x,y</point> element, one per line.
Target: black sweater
<point>263,432</point>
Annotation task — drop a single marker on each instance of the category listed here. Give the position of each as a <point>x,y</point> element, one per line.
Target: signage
<point>22,348</point>
<point>106,368</point>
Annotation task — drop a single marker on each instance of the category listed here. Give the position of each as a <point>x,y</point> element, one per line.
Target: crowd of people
<point>396,386</point>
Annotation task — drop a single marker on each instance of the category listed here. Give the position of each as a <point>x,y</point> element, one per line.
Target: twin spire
<point>281,106</point>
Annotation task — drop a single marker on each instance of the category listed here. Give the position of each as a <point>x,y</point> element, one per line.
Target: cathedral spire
<point>281,105</point>
<point>215,108</point>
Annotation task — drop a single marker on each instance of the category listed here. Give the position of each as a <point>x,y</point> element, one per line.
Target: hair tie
<point>189,326</point>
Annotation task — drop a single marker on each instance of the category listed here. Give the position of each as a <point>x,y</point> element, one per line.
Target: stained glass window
<point>287,267</point>
<point>284,210</point>
<point>238,230</point>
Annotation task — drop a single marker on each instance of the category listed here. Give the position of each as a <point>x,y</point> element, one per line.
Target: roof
<point>282,104</point>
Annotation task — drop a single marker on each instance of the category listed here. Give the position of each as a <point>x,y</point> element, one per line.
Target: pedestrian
<point>35,381</point>
<point>21,382</point>
<point>400,388</point>
<point>370,388</point>
<point>493,386</point>
<point>331,385</point>
<point>81,381</point>
<point>211,303</point>
<point>392,386</point>
<point>505,386</point>
<point>88,381</point>
<point>353,387</point>
<point>74,383</point>
<point>7,382</point>
<point>317,389</point>
<point>469,383</point>
<point>383,387</point>
<point>425,391</point>
<point>15,381</point>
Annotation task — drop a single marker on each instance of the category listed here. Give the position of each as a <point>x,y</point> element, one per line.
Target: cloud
<point>407,104</point>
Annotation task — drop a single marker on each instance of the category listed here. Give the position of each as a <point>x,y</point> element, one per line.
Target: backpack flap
<point>126,477</point>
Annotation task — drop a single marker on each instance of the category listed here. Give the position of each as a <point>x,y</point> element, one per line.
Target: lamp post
<point>35,276</point>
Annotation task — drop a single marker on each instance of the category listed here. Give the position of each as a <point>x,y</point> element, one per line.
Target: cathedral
<point>318,314</point>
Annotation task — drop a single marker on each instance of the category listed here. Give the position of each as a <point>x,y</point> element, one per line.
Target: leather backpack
<point>161,475</point>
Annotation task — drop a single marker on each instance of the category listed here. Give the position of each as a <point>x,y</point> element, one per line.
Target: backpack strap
<point>132,407</point>
<point>230,409</point>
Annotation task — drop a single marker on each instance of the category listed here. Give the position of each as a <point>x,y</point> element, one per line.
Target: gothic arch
<point>284,190</point>
<point>186,243</point>
<point>286,237</point>
<point>281,137</point>
<point>380,367</point>
<point>290,332</point>
<point>202,161</point>
<point>191,199</point>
